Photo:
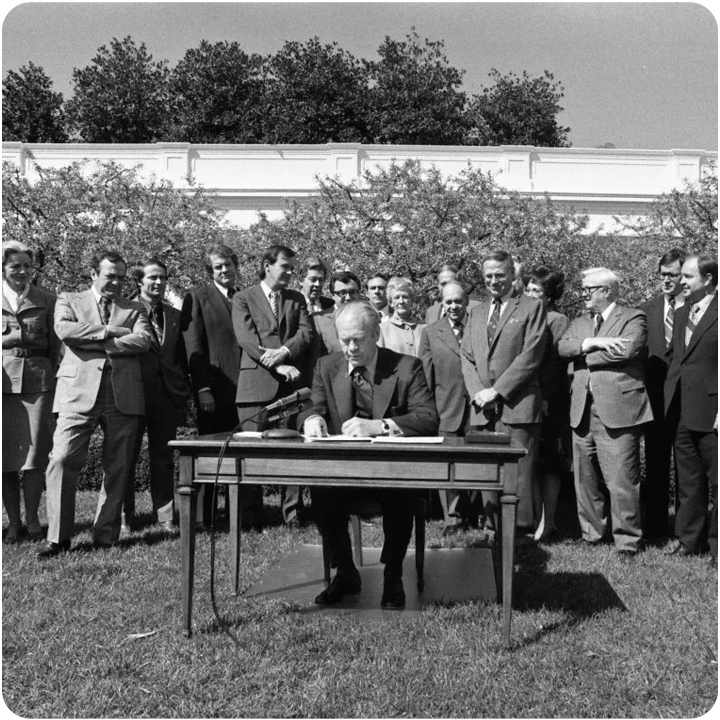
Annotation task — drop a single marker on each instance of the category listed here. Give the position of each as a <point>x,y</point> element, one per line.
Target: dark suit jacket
<point>618,381</point>
<point>255,326</point>
<point>167,359</point>
<point>693,370</point>
<point>656,363</point>
<point>511,364</point>
<point>400,392</point>
<point>79,326</point>
<point>440,355</point>
<point>212,351</point>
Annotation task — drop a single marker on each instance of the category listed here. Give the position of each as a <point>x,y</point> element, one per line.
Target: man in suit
<point>98,382</point>
<point>273,330</point>
<point>376,288</point>
<point>608,407</point>
<point>502,350</point>
<point>366,391</point>
<point>165,387</point>
<point>691,402</point>
<point>214,362</point>
<point>440,354</point>
<point>446,274</point>
<point>312,276</point>
<point>660,311</point>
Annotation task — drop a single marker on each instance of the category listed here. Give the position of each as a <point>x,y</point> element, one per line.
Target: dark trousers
<point>696,523</point>
<point>290,495</point>
<point>162,416</point>
<point>332,513</point>
<point>655,489</point>
<point>223,420</point>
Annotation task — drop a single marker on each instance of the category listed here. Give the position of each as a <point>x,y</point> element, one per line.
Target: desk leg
<point>235,534</point>
<point>187,501</point>
<point>509,518</point>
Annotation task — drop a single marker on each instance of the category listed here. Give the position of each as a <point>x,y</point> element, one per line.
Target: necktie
<point>691,323</point>
<point>494,320</point>
<point>669,320</point>
<point>458,330</point>
<point>231,292</point>
<point>363,393</point>
<point>598,323</point>
<point>274,302</point>
<point>158,322</point>
<point>105,303</point>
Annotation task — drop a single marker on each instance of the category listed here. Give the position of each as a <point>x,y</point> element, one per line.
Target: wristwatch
<point>385,427</point>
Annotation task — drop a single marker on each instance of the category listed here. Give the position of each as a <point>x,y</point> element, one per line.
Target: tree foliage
<point>217,95</point>
<point>519,110</point>
<point>68,213</point>
<point>122,96</point>
<point>315,93</point>
<point>415,95</point>
<point>32,112</point>
<point>409,220</point>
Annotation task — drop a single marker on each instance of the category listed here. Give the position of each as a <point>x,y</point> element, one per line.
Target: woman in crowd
<point>30,352</point>
<point>548,284</point>
<point>401,331</point>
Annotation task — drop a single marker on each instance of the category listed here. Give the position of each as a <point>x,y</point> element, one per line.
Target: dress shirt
<point>504,300</point>
<point>454,327</point>
<point>15,299</point>
<point>679,302</point>
<point>698,309</point>
<point>223,290</point>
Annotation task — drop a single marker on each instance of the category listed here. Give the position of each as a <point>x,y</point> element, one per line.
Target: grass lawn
<point>592,637</point>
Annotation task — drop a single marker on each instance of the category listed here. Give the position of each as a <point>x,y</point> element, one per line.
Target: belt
<point>23,352</point>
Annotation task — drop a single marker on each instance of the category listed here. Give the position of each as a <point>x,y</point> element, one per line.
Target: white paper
<point>337,438</point>
<point>248,434</point>
<point>402,440</point>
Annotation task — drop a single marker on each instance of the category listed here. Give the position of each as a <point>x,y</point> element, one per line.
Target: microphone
<point>296,398</point>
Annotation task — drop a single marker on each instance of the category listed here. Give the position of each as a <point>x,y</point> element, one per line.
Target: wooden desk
<point>452,465</point>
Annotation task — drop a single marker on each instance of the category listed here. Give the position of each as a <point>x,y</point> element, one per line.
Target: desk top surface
<point>451,446</point>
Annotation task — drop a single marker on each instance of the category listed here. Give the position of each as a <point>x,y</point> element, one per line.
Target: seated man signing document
<point>366,391</point>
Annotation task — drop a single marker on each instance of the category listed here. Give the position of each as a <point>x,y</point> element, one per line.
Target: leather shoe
<point>393,597</point>
<point>52,549</point>
<point>679,551</point>
<point>452,528</point>
<point>341,585</point>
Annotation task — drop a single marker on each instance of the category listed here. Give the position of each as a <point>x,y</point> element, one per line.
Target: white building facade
<point>248,179</point>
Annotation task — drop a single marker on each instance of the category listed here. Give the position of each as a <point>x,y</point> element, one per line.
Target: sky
<point>637,75</point>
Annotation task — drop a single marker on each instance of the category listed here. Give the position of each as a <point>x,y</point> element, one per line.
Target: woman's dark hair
<point>552,281</point>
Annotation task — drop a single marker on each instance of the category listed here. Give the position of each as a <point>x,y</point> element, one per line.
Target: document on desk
<point>402,440</point>
<point>337,438</point>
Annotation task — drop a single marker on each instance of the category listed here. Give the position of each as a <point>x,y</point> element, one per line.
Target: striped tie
<point>669,320</point>
<point>494,320</point>
<point>690,326</point>
<point>274,302</point>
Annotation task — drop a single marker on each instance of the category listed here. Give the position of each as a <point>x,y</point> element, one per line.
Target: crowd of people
<point>582,393</point>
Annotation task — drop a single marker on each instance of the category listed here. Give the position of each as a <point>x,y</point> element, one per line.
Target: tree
<point>68,213</point>
<point>315,94</point>
<point>32,111</point>
<point>409,220</point>
<point>218,95</point>
<point>518,110</point>
<point>415,96</point>
<point>122,96</point>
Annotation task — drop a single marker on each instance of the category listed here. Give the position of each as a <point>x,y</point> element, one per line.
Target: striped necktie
<point>363,393</point>
<point>274,302</point>
<point>105,303</point>
<point>494,320</point>
<point>691,323</point>
<point>158,322</point>
<point>669,320</point>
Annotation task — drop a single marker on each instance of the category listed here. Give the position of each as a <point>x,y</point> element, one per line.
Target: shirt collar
<point>607,311</point>
<point>222,289</point>
<point>14,298</point>
<point>97,295</point>
<point>452,322</point>
<point>679,302</point>
<point>370,367</point>
<point>704,304</point>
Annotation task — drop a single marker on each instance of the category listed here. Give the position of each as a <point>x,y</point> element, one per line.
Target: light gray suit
<point>99,381</point>
<point>608,405</point>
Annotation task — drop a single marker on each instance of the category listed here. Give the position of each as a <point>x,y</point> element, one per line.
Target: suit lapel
<point>706,321</point>
<point>87,302</point>
<point>283,305</point>
<point>482,321</point>
<point>607,329</point>
<point>219,300</point>
<point>34,299</point>
<point>342,390</point>
<point>384,385</point>
<point>262,304</point>
<point>448,337</point>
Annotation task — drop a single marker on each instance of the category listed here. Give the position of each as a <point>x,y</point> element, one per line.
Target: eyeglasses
<point>591,289</point>
<point>344,293</point>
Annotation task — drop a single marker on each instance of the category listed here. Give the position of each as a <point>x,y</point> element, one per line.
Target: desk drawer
<point>208,466</point>
<point>476,471</point>
<point>261,467</point>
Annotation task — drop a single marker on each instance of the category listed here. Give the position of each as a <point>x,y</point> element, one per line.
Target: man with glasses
<point>274,333</point>
<point>660,311</point>
<point>609,405</point>
<point>345,288</point>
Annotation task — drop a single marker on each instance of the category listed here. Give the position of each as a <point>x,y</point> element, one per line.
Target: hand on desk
<point>315,426</point>
<point>361,427</point>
